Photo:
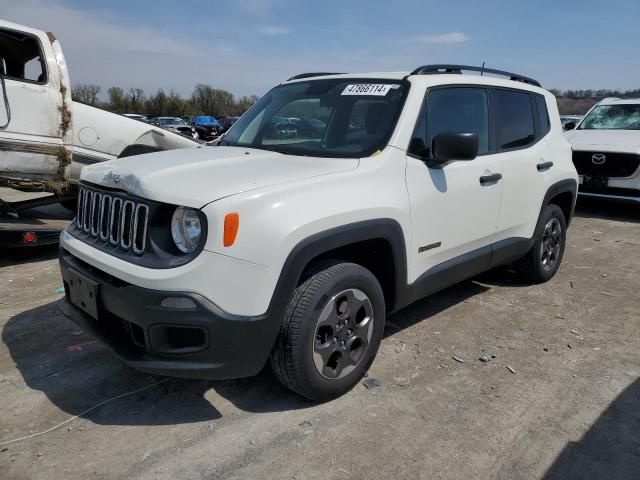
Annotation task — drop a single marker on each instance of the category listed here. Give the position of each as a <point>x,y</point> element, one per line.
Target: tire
<point>542,262</point>
<point>310,357</point>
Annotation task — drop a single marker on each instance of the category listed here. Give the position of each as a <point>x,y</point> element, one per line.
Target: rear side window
<point>452,110</point>
<point>513,119</point>
<point>543,115</point>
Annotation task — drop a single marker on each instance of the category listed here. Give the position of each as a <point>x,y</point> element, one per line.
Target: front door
<point>454,208</point>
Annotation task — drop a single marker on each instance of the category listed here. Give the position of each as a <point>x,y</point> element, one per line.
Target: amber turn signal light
<point>231,225</point>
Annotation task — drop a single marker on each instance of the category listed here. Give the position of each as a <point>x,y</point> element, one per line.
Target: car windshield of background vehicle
<point>206,120</point>
<point>172,121</point>
<point>613,117</point>
<point>332,118</point>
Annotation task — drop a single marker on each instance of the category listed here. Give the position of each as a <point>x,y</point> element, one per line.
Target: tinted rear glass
<point>514,119</point>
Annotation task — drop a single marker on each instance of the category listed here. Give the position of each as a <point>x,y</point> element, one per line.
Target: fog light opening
<point>178,303</point>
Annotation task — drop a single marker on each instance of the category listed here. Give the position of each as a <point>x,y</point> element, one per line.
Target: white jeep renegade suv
<point>333,201</point>
<point>606,150</point>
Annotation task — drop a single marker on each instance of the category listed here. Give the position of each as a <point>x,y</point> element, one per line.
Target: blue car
<point>206,126</point>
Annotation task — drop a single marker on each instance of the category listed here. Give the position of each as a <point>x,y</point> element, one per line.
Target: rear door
<point>454,212</point>
<point>521,124</point>
<point>33,140</point>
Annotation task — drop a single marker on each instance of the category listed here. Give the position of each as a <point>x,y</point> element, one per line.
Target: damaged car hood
<point>195,177</point>
<point>610,140</point>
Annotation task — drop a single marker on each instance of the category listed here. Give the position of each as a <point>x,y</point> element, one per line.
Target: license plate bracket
<point>83,292</point>
<point>595,182</point>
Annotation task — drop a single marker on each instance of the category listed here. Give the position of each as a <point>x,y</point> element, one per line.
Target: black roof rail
<point>435,69</point>
<point>312,74</point>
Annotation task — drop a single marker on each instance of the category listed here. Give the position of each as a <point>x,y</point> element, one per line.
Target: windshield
<point>330,118</point>
<point>613,117</point>
<point>206,120</point>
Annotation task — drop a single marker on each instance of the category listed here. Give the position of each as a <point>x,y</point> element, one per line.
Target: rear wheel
<point>331,332</point>
<point>542,262</point>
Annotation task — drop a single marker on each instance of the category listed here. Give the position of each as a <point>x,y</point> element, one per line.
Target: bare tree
<point>135,98</point>
<point>244,103</point>
<point>87,94</point>
<point>212,101</point>
<point>117,100</point>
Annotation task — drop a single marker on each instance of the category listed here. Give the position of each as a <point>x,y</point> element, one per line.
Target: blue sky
<point>247,46</point>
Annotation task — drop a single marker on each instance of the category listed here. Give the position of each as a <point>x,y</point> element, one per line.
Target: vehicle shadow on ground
<point>75,372</point>
<point>608,210</point>
<point>24,255</point>
<point>424,309</point>
<point>610,448</point>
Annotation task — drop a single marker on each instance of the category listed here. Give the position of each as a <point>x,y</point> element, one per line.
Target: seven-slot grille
<point>615,164</point>
<point>113,219</point>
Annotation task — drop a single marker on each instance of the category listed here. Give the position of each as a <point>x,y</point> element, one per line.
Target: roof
<point>432,79</point>
<point>372,75</point>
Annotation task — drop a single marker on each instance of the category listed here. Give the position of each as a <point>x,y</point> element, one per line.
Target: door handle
<point>487,179</point>
<point>544,166</point>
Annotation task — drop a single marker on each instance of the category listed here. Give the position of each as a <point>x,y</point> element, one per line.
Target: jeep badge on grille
<point>111,176</point>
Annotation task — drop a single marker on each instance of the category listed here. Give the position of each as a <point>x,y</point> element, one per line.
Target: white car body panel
<point>205,174</point>
<point>100,136</point>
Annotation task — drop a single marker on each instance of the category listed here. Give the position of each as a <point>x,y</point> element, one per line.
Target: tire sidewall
<point>550,211</point>
<point>354,276</point>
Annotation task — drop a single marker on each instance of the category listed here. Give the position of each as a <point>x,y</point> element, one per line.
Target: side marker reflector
<point>231,226</point>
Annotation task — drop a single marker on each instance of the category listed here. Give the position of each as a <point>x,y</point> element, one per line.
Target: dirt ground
<point>560,400</point>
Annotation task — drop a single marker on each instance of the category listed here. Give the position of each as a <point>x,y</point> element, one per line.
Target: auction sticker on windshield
<point>377,89</point>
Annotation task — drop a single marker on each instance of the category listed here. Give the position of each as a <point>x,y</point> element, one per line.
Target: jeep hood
<point>609,140</point>
<point>195,177</point>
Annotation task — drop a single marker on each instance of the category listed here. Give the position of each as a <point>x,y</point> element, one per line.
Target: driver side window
<point>451,110</point>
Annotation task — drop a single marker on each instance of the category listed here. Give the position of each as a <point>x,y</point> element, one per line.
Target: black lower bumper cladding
<point>176,334</point>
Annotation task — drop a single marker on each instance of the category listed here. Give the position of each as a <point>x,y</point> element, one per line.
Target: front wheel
<point>331,332</point>
<point>542,262</point>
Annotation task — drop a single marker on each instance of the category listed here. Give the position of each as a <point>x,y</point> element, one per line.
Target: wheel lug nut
<point>349,332</point>
<point>342,343</point>
<point>335,339</point>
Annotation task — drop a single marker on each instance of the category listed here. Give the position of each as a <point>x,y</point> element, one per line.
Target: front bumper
<point>198,342</point>
<point>623,189</point>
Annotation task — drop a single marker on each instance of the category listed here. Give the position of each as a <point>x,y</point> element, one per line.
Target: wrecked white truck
<point>45,137</point>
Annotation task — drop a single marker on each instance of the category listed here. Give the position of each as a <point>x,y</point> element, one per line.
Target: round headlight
<point>186,229</point>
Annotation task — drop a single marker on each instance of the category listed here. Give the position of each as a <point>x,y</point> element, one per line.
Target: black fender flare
<point>568,185</point>
<point>320,243</point>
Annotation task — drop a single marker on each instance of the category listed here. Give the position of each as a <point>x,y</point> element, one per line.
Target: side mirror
<point>570,125</point>
<point>447,147</point>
